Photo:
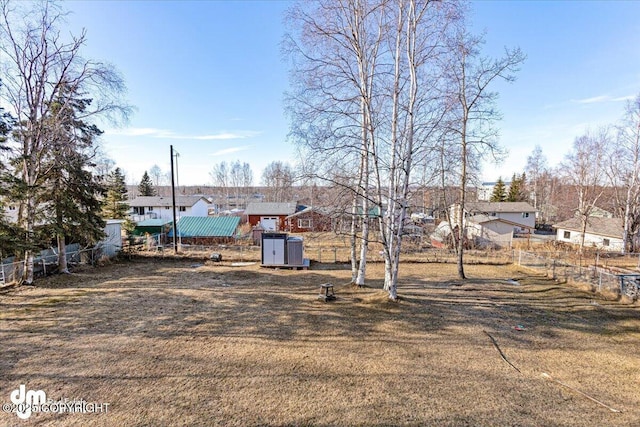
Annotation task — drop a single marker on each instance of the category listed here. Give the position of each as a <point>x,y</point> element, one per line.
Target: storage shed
<point>281,250</point>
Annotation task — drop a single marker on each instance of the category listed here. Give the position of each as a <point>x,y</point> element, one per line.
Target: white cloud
<point>230,150</point>
<point>593,100</point>
<point>602,98</point>
<point>624,98</point>
<point>167,134</point>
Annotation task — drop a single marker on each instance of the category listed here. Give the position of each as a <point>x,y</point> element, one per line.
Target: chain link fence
<point>601,278</point>
<point>46,262</point>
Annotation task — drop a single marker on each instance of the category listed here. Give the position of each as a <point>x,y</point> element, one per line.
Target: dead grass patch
<point>178,342</point>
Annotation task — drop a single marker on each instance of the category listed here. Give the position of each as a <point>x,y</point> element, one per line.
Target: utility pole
<point>173,198</point>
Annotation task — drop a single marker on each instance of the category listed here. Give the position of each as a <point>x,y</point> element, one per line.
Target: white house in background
<point>521,215</point>
<point>482,230</point>
<point>492,231</point>
<point>602,233</point>
<point>156,207</point>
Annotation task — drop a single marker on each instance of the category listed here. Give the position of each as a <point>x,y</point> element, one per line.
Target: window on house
<point>304,223</point>
<point>567,234</point>
<point>166,208</point>
<point>493,214</point>
<point>12,208</point>
<point>605,242</point>
<point>183,208</point>
<point>150,208</point>
<point>525,214</point>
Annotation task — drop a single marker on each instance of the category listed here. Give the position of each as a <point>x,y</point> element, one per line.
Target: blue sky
<point>208,77</point>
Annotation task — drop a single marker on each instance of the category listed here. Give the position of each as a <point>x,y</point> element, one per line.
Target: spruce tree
<point>8,232</point>
<point>517,190</point>
<point>514,189</point>
<point>499,191</point>
<point>115,204</point>
<point>72,193</point>
<point>145,188</point>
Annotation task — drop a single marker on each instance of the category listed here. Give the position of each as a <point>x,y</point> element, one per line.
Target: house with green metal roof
<point>206,231</point>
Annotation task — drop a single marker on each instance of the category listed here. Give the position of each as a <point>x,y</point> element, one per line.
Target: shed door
<point>269,223</point>
<point>273,251</point>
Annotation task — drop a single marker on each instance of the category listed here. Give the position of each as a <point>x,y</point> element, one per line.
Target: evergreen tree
<point>72,193</point>
<point>523,194</point>
<point>517,191</point>
<point>8,232</point>
<point>115,204</point>
<point>514,189</point>
<point>145,188</point>
<point>499,191</point>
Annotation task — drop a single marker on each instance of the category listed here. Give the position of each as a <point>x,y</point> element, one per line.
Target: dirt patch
<point>178,342</point>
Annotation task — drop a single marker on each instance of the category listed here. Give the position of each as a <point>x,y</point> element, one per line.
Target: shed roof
<point>261,208</point>
<point>502,207</point>
<point>484,219</point>
<point>187,201</point>
<point>318,210</point>
<point>203,226</point>
<point>610,227</point>
<point>158,222</point>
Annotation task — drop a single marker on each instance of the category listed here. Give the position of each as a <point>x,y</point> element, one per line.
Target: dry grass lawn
<point>182,342</point>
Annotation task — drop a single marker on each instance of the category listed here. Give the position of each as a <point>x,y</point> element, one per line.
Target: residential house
<point>309,219</point>
<point>206,231</point>
<point>157,207</point>
<point>492,231</point>
<point>481,231</point>
<point>270,216</point>
<point>521,214</point>
<point>602,233</point>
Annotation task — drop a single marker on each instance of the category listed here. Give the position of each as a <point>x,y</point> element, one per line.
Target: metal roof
<point>502,207</point>
<point>483,219</point>
<point>612,227</point>
<point>154,201</point>
<point>207,226</point>
<point>159,222</point>
<point>261,208</point>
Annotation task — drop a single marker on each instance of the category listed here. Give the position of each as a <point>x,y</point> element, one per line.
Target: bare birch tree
<point>219,175</point>
<point>473,113</point>
<point>336,51</point>
<point>583,170</point>
<point>36,61</point>
<point>278,176</point>
<point>420,27</point>
<point>535,168</point>
<point>624,172</point>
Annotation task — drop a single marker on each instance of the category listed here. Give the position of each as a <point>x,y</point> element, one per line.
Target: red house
<point>309,219</point>
<point>270,216</point>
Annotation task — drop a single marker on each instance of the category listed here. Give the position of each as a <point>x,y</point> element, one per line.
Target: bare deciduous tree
<point>472,112</point>
<point>583,170</point>
<point>278,176</point>
<point>624,173</point>
<point>220,177</point>
<point>38,60</point>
